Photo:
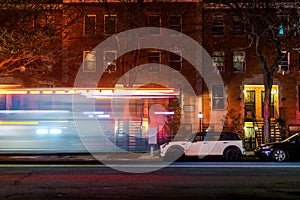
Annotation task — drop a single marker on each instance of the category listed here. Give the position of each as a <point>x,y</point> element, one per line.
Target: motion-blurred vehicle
<point>288,149</point>
<point>227,145</point>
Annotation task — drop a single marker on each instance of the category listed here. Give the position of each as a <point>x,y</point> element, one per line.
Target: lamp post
<point>200,116</point>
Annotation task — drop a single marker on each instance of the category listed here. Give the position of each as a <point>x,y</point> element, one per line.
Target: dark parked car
<point>288,149</point>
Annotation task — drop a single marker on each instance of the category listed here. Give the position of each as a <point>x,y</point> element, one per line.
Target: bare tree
<point>273,29</point>
<point>30,39</point>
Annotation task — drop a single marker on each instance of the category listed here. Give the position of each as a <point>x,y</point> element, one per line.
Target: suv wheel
<point>231,155</point>
<point>279,155</point>
<point>174,154</point>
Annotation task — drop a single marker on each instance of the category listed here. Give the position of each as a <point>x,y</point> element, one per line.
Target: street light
<point>200,116</point>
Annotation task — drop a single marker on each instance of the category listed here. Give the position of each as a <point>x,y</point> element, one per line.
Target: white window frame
<point>179,61</point>
<point>239,59</point>
<point>109,65</point>
<point>89,57</point>
<point>115,25</point>
<point>218,58</point>
<point>284,65</point>
<point>156,69</point>
<point>218,100</point>
<point>85,25</point>
<point>157,32</point>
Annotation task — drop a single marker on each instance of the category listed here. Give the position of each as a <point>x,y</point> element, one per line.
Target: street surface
<point>182,180</point>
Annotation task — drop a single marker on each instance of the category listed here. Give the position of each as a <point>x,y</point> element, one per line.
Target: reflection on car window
<point>212,136</point>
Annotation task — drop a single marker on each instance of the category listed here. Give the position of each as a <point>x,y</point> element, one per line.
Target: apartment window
<point>110,61</point>
<point>89,24</point>
<point>218,61</point>
<point>238,27</point>
<point>89,61</point>
<point>110,24</point>
<point>282,24</point>
<point>154,57</point>
<point>176,60</point>
<point>239,61</point>
<point>218,97</point>
<point>154,21</point>
<point>175,23</point>
<point>284,65</point>
<point>218,25</point>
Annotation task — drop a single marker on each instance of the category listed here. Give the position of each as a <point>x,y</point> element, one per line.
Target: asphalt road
<point>185,180</point>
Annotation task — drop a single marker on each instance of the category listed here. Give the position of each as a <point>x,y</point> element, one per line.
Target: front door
<point>249,98</point>
<point>254,102</point>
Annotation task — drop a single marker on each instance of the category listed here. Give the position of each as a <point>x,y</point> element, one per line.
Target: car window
<point>228,136</point>
<point>297,140</point>
<point>212,136</point>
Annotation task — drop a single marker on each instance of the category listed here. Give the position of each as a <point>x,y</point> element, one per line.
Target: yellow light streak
<point>47,92</point>
<point>18,123</point>
<point>34,92</point>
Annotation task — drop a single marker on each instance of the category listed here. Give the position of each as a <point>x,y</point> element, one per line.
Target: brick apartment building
<point>215,28</point>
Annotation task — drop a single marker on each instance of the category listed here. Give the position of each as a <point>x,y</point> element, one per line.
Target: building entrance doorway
<point>254,112</point>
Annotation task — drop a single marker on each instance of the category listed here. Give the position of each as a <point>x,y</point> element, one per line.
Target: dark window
<point>89,24</point>
<point>238,27</point>
<point>175,23</point>
<point>154,57</point>
<point>218,25</point>
<point>154,21</point>
<point>110,24</point>
<point>176,61</point>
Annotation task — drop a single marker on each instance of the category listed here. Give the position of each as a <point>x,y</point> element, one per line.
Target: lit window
<point>89,24</point>
<point>154,21</point>
<point>218,61</point>
<point>218,97</point>
<point>110,61</point>
<point>283,24</point>
<point>110,24</point>
<point>154,57</point>
<point>176,61</point>
<point>284,65</point>
<point>175,23</point>
<point>89,61</point>
<point>239,61</point>
<point>218,25</point>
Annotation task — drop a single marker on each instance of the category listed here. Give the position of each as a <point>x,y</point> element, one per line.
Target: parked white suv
<point>226,144</point>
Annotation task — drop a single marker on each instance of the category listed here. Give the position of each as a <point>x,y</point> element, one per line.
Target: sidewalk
<point>97,158</point>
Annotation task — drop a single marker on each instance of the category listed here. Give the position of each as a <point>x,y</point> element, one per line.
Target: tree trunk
<point>268,82</point>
